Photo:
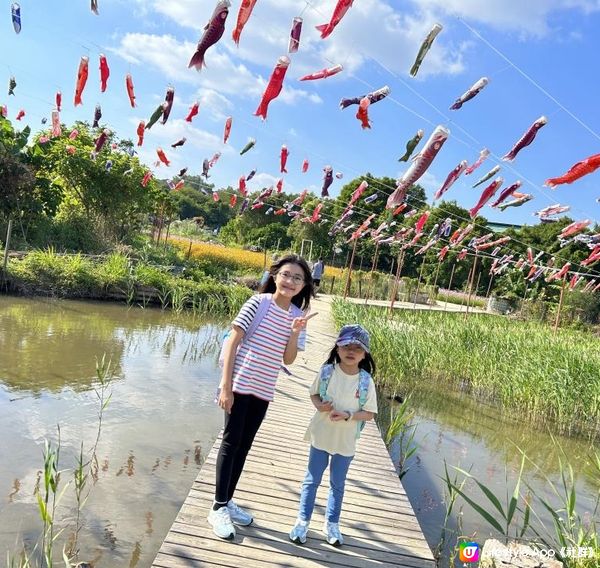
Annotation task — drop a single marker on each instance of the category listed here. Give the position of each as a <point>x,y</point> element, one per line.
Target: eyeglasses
<point>295,278</point>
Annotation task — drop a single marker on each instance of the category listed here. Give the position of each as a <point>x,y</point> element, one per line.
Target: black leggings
<point>247,414</point>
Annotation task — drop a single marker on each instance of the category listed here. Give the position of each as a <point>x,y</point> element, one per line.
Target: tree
<point>105,187</point>
<point>24,194</point>
<point>195,199</point>
<point>240,229</point>
<point>317,232</point>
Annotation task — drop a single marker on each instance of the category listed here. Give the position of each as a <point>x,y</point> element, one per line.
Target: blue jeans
<point>317,462</point>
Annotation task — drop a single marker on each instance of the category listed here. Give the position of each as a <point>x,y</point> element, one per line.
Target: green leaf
<point>42,507</point>
<point>525,520</point>
<point>515,497</point>
<point>487,492</point>
<point>479,509</point>
<point>106,402</point>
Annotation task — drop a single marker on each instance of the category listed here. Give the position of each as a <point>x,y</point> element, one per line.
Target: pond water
<point>161,423</point>
<point>453,428</point>
<point>157,429</point>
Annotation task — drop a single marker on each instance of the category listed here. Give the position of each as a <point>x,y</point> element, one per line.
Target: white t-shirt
<point>339,437</point>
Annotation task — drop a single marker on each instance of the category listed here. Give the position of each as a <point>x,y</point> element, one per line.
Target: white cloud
<point>199,145</point>
<point>262,180</point>
<point>213,104</point>
<point>430,182</point>
<point>371,29</point>
<point>169,56</point>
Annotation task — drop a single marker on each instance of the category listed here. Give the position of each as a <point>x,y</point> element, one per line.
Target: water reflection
<point>476,437</point>
<point>160,418</point>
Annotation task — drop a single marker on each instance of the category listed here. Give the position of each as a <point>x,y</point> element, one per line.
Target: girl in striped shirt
<point>250,369</point>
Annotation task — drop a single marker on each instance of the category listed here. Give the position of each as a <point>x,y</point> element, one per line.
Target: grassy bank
<point>122,277</point>
<point>521,366</point>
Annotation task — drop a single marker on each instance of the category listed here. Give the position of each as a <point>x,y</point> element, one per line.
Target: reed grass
<point>74,276</point>
<point>51,491</point>
<point>520,366</point>
<point>402,431</point>
<point>520,519</point>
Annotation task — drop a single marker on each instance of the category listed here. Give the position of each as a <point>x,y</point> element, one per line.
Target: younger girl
<point>344,395</point>
<point>250,369</point>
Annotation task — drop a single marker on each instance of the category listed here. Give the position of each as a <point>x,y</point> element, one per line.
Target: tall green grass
<point>521,366</point>
<point>119,275</point>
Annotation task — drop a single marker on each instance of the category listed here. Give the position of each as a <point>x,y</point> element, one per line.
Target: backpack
<point>364,379</point>
<point>261,312</point>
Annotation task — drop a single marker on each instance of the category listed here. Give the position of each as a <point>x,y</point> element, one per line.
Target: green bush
<point>53,273</point>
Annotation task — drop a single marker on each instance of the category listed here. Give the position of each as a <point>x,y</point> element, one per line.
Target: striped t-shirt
<point>259,358</point>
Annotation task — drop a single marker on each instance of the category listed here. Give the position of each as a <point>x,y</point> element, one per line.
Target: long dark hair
<point>302,298</point>
<point>368,364</point>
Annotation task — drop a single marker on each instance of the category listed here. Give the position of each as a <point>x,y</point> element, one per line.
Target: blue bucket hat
<point>354,333</point>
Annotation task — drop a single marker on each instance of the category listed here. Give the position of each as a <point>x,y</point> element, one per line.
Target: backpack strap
<point>296,311</point>
<point>364,380</point>
<point>326,373</point>
<point>261,312</point>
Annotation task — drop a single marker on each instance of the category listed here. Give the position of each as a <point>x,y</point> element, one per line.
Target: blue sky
<point>554,42</point>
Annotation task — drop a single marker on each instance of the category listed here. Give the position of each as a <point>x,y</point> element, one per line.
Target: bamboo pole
<point>478,280</point>
<point>368,293</point>
<point>399,264</point>
<point>560,303</point>
<point>419,282</point>
<point>450,285</point>
<point>487,294</point>
<point>437,272</point>
<point>471,284</point>
<point>347,287</point>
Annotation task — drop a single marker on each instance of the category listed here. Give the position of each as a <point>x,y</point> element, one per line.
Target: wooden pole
<point>369,290</point>
<point>471,284</point>
<point>487,294</point>
<point>437,273</point>
<point>399,265</point>
<point>560,303</point>
<point>450,285</point>
<point>347,287</point>
<point>419,282</point>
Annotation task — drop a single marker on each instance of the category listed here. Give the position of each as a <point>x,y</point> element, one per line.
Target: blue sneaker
<point>298,532</point>
<point>332,531</point>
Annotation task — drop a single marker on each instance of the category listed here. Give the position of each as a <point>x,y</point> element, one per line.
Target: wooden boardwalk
<point>378,522</point>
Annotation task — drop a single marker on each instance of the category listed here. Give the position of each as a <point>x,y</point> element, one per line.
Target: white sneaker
<point>238,515</point>
<point>298,532</point>
<point>334,536</point>
<point>221,523</point>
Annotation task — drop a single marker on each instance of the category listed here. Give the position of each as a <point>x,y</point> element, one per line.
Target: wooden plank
<point>378,522</point>
<point>284,513</point>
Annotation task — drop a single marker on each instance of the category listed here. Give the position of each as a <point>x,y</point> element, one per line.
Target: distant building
<point>501,227</point>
